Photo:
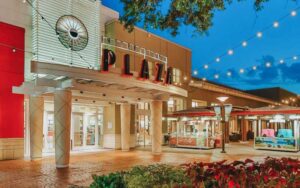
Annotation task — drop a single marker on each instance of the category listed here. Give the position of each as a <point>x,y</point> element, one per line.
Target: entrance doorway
<point>143,131</point>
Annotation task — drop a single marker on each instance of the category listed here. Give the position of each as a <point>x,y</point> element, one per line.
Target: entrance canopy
<point>107,86</point>
<point>270,110</point>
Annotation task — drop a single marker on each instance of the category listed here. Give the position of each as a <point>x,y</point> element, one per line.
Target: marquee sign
<point>109,59</point>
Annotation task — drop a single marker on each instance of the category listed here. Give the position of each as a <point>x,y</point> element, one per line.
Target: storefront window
<point>78,129</point>
<point>143,106</point>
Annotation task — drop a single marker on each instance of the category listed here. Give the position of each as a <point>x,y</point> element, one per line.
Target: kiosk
<point>275,127</point>
<point>195,128</point>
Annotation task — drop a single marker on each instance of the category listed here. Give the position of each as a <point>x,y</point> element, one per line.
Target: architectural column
<point>156,126</point>
<point>36,114</point>
<point>244,128</point>
<point>62,121</point>
<point>125,126</point>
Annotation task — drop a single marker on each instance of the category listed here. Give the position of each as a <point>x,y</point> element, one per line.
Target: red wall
<point>11,74</point>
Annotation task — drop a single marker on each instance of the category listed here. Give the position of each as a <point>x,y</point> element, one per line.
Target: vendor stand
<point>277,127</point>
<point>195,128</point>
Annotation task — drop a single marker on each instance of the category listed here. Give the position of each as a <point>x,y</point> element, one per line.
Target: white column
<point>36,116</point>
<point>156,126</point>
<point>125,127</point>
<point>62,121</point>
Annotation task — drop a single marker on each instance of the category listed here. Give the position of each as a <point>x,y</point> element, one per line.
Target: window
<point>143,106</point>
<point>175,104</point>
<point>176,75</point>
<point>198,103</point>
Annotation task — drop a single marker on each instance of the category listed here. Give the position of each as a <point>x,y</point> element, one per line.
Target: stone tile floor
<point>42,173</point>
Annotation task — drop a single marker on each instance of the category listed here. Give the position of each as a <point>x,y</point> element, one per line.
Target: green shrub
<point>156,176</point>
<point>112,180</point>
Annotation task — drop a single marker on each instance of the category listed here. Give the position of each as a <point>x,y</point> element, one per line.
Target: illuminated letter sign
<point>159,68</point>
<point>144,70</point>
<point>109,58</point>
<point>127,65</point>
<point>169,76</point>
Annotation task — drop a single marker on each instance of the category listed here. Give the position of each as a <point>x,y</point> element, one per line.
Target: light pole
<point>222,100</point>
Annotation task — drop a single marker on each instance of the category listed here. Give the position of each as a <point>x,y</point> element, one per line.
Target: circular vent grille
<point>72,32</point>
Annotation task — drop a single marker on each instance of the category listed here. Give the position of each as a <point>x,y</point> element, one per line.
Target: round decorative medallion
<point>72,33</point>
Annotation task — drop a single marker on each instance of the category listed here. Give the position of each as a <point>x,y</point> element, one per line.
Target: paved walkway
<point>42,173</point>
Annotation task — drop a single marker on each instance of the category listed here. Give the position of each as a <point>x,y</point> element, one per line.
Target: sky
<point>231,27</point>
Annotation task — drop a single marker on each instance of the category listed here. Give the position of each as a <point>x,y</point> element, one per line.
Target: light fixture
<point>192,81</point>
<point>254,68</point>
<point>259,34</point>
<point>229,73</point>
<point>216,76</point>
<point>222,99</point>
<point>218,59</point>
<point>276,24</point>
<point>59,78</point>
<point>295,57</point>
<point>195,72</point>
<point>293,13</point>
<point>204,79</point>
<point>14,50</point>
<point>242,71</point>
<point>24,1</point>
<point>281,61</point>
<point>205,66</point>
<point>268,64</point>
<point>185,77</point>
<point>230,52</point>
<point>244,43</point>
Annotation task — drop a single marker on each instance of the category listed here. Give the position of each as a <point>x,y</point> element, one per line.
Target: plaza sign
<point>109,59</point>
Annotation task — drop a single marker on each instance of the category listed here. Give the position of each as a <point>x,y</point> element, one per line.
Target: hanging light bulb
<point>295,58</point>
<point>293,13</point>
<point>259,34</point>
<point>229,73</point>
<point>185,78</point>
<point>216,76</point>
<point>195,72</point>
<point>276,24</point>
<point>244,43</point>
<point>281,61</point>
<point>192,81</point>
<point>254,68</point>
<point>268,64</point>
<point>242,71</point>
<point>204,79</point>
<point>206,66</point>
<point>230,52</point>
<point>218,59</point>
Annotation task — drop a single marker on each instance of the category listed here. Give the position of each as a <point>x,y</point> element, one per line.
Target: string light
<point>276,24</point>
<point>254,68</point>
<point>295,58</point>
<point>268,64</point>
<point>204,79</point>
<point>259,34</point>
<point>242,71</point>
<point>14,50</point>
<point>216,76</point>
<point>206,66</point>
<point>229,73</point>
<point>281,61</point>
<point>195,72</point>
<point>230,52</point>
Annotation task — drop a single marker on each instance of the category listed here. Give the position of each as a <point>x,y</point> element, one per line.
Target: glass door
<point>49,132</point>
<point>78,126</point>
<point>143,132</point>
<point>91,130</point>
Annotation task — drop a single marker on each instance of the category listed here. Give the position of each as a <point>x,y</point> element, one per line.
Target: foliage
<point>272,172</point>
<point>156,176</point>
<point>197,13</point>
<point>112,180</point>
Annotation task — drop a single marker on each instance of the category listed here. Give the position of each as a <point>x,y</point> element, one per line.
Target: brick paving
<point>42,173</point>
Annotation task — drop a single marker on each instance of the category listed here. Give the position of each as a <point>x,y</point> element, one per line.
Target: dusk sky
<point>231,27</point>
